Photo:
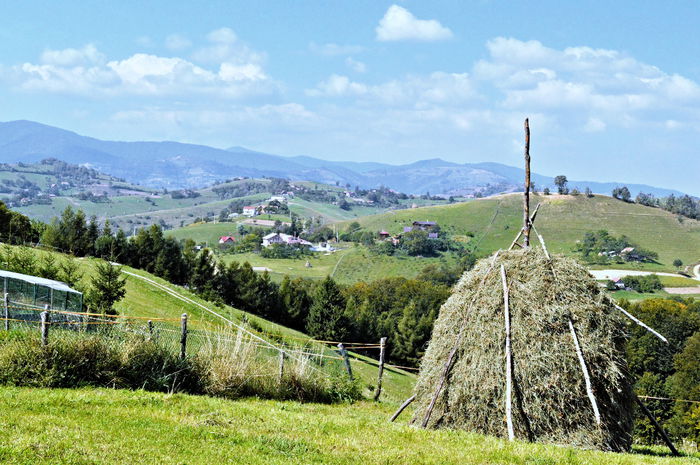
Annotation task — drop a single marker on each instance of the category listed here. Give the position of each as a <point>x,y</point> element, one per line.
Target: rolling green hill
<point>562,220</point>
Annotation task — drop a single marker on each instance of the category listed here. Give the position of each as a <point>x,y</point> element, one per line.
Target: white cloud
<point>331,49</point>
<point>176,42</point>
<point>357,66</point>
<point>399,24</point>
<point>414,91</point>
<point>224,46</point>
<point>72,57</point>
<point>85,71</point>
<point>337,86</point>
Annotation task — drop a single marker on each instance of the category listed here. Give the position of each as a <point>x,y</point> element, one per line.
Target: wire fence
<point>323,357</point>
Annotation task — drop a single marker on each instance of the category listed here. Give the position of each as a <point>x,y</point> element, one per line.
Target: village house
<point>281,238</point>
<point>228,240</point>
<point>250,211</point>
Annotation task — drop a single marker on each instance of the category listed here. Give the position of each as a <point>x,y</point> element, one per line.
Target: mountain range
<point>175,165</point>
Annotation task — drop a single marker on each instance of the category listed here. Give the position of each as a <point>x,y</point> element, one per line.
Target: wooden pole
<point>150,330</point>
<point>45,320</point>
<point>640,323</point>
<point>526,196</point>
<point>657,426</point>
<point>382,345</point>
<point>280,374</point>
<point>453,353</point>
<point>183,336</point>
<point>509,359</point>
<point>586,376</point>
<point>346,359</point>
<point>405,404</point>
<point>6,302</point>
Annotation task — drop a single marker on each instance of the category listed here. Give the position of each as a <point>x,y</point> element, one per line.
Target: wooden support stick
<point>640,323</point>
<point>586,376</point>
<point>183,336</point>
<point>509,360</point>
<point>280,374</point>
<point>382,345</point>
<point>544,246</point>
<point>45,321</point>
<point>346,359</point>
<point>526,195</point>
<point>401,409</point>
<point>6,302</point>
<point>657,426</point>
<point>520,233</point>
<point>150,330</point>
<point>453,352</point>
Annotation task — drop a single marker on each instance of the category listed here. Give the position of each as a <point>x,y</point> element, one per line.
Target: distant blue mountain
<point>177,165</point>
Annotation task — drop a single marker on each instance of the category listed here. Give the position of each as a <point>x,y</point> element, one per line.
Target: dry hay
<point>550,402</point>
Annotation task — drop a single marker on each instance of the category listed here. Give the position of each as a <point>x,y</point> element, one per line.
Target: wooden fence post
<point>281,370</point>
<point>7,311</point>
<point>657,426</point>
<point>150,330</point>
<point>45,320</point>
<point>344,354</point>
<point>183,337</point>
<point>382,346</point>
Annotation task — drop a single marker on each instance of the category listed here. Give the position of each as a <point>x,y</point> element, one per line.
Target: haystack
<point>568,375</point>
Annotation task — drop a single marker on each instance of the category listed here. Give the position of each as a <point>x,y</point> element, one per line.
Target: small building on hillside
<point>281,238</point>
<point>250,210</point>
<point>227,240</point>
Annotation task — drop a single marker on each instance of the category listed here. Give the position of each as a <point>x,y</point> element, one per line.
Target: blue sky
<point>611,88</point>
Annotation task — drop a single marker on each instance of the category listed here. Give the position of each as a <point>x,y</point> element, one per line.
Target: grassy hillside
<point>113,426</point>
<point>562,220</point>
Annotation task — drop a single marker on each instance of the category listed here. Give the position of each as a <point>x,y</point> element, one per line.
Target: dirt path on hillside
<point>610,274</point>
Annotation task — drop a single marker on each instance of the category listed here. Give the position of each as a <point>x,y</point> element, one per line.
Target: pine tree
<point>107,287</point>
<point>326,318</point>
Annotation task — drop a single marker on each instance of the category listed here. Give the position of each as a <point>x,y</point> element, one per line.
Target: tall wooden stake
<point>526,196</point>
<point>45,321</point>
<point>382,345</point>
<point>6,302</point>
<point>403,406</point>
<point>509,359</point>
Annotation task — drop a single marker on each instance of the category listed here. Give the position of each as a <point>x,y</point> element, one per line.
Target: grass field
<point>87,426</point>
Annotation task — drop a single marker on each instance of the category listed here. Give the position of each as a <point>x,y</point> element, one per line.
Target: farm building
<point>250,210</point>
<point>280,238</point>
<point>37,292</point>
<point>227,240</point>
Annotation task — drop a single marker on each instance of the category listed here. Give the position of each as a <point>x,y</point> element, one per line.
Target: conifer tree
<point>326,318</point>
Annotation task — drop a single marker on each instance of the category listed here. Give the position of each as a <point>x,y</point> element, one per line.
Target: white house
<point>280,238</point>
<point>250,211</point>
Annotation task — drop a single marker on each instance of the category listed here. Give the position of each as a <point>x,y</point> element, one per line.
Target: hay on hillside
<point>550,402</point>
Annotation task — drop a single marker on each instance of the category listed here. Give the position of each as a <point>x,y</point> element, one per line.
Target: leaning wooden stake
<point>280,374</point>
<point>382,345</point>
<point>657,426</point>
<point>526,196</point>
<point>346,359</point>
<point>640,323</point>
<point>509,359</point>
<point>453,353</point>
<point>403,406</point>
<point>586,376</point>
<point>520,233</point>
